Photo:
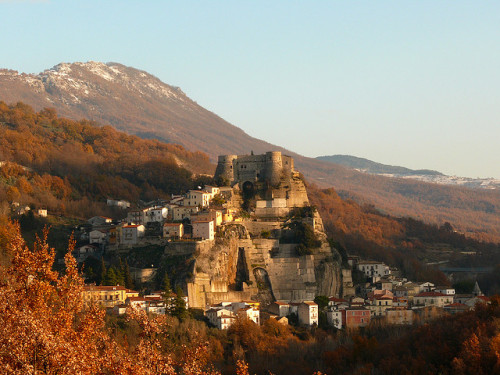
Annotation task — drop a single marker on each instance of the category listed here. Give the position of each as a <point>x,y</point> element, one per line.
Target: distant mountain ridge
<point>424,175</point>
<point>365,165</point>
<point>138,103</point>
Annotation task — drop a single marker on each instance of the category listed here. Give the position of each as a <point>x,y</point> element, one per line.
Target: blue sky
<point>411,83</point>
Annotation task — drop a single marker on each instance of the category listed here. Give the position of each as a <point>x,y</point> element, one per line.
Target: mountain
<point>365,165</point>
<point>130,100</point>
<point>425,175</point>
<point>138,103</point>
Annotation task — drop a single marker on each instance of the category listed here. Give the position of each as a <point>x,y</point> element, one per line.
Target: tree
<point>102,273</point>
<point>46,329</point>
<point>110,278</point>
<point>322,301</point>
<point>179,306</point>
<point>167,294</point>
<point>129,282</point>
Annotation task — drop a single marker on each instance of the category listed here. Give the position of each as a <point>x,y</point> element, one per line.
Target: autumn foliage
<point>46,329</point>
<point>67,165</point>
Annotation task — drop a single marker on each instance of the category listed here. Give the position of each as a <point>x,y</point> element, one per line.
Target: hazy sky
<point>411,83</point>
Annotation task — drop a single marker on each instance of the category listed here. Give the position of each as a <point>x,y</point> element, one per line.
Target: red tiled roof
<point>103,287</point>
<point>136,299</point>
<point>457,304</point>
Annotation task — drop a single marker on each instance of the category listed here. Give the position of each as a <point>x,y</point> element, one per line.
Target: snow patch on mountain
<point>473,183</point>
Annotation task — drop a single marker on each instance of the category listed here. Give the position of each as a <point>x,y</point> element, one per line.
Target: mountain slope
<point>369,166</point>
<point>425,175</point>
<point>139,103</point>
<point>130,100</point>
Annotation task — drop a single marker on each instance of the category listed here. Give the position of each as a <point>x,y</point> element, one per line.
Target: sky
<point>410,83</point>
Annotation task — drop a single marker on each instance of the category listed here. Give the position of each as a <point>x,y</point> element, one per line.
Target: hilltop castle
<point>270,167</point>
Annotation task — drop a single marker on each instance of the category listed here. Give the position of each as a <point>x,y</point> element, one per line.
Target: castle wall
<point>269,167</point>
<point>225,167</point>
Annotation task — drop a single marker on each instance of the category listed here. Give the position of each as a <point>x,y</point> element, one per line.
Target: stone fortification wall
<point>269,167</point>
<point>225,167</point>
<point>187,248</point>
<point>257,227</point>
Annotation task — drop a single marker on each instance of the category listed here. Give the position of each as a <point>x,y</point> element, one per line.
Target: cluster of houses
<point>189,216</point>
<point>396,300</point>
<point>118,298</point>
<point>385,297</point>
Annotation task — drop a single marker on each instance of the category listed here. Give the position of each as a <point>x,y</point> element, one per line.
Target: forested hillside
<point>46,327</point>
<point>136,102</point>
<point>403,242</point>
<point>70,165</point>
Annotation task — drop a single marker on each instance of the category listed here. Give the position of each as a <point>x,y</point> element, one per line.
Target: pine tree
<point>110,278</point>
<point>179,307</point>
<point>102,274</point>
<point>167,294</point>
<point>129,282</point>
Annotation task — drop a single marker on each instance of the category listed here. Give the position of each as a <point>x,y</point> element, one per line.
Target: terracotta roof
<point>103,288</point>
<point>132,225</point>
<point>310,303</point>
<point>136,299</point>
<point>457,304</point>
<point>172,224</point>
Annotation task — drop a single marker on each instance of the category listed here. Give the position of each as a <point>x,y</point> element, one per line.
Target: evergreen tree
<point>110,278</point>
<point>167,294</point>
<point>179,306</point>
<point>102,274</point>
<point>129,282</point>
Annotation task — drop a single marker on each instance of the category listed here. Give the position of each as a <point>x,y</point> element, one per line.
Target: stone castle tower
<point>269,167</point>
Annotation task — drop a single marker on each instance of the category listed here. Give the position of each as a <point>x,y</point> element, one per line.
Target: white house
<point>132,233</point>
<point>157,214</point>
<point>197,198</point>
<point>222,318</point>
<point>42,212</point>
<point>432,299</point>
<point>445,290</point>
<point>374,269</point>
<point>280,308</point>
<point>212,190</point>
<point>426,287</point>
<point>251,313</point>
<point>308,313</point>
<point>334,318</point>
<point>203,229</point>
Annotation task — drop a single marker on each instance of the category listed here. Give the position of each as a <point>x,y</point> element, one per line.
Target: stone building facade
<point>269,167</point>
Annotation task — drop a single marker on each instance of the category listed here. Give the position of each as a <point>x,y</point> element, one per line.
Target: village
<point>200,216</point>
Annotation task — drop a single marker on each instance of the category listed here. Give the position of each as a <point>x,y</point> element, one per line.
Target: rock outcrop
<point>260,257</point>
